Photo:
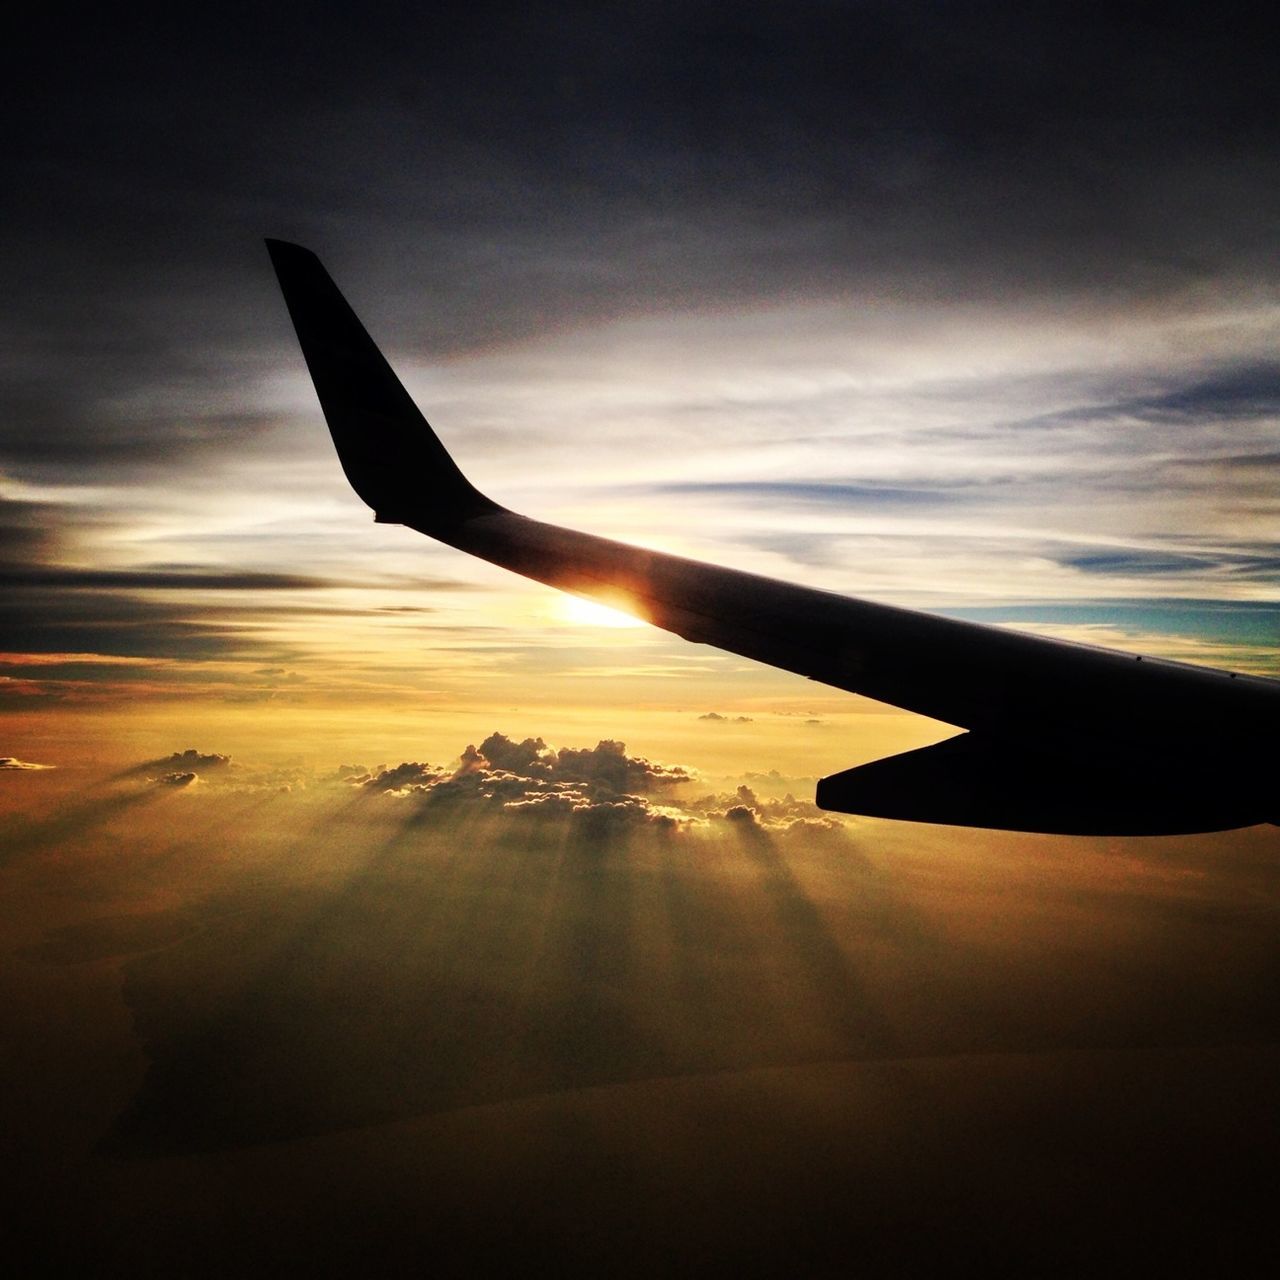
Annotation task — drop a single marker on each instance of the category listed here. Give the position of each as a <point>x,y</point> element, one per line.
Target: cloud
<point>597,813</point>
<point>596,789</point>
<point>716,716</point>
<point>1140,562</point>
<point>401,779</point>
<point>192,759</point>
<point>600,787</point>
<point>159,579</point>
<point>177,780</point>
<point>221,775</point>
<point>787,816</point>
<point>179,769</point>
<point>819,493</point>
<point>13,763</point>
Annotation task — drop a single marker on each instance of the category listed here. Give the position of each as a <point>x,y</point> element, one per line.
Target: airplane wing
<point>1061,737</point>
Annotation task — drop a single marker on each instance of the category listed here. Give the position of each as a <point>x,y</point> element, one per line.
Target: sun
<point>591,613</point>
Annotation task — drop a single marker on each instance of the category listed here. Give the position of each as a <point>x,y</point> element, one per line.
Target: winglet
<point>387,448</point>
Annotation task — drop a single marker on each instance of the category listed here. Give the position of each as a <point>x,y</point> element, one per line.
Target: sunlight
<point>591,613</point>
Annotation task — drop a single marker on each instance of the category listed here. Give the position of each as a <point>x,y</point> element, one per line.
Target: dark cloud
<point>401,778</point>
<point>1130,562</point>
<point>159,579</point>
<point>219,774</point>
<point>195,759</point>
<point>29,532</point>
<point>49,608</point>
<point>810,492</point>
<point>1233,392</point>
<point>118,624</point>
<point>1220,559</point>
<point>181,768</point>
<point>527,168</point>
<point>716,716</point>
<point>176,780</point>
<point>52,601</point>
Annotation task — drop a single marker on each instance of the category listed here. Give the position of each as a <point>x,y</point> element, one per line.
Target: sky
<point>972,309</point>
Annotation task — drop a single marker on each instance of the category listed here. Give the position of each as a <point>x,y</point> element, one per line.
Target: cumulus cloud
<point>404,777</point>
<point>185,768</point>
<point>175,780</point>
<point>787,816</point>
<point>193,759</point>
<point>599,789</point>
<point>13,763</point>
<point>180,762</point>
<point>598,813</point>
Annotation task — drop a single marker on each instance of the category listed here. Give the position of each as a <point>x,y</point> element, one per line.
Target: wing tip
<point>285,248</point>
<point>392,458</point>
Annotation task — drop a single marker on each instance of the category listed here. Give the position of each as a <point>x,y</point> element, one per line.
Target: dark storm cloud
<point>522,167</point>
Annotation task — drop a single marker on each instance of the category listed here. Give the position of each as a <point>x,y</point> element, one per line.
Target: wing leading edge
<point>1061,737</point>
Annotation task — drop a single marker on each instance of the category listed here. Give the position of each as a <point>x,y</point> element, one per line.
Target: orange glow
<point>591,613</point>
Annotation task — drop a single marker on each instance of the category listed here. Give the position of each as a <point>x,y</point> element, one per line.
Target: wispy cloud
<point>11,763</point>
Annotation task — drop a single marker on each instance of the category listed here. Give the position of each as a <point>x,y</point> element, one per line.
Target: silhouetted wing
<point>1119,743</point>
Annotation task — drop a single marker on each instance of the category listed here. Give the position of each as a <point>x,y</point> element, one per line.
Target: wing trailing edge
<point>1122,744</point>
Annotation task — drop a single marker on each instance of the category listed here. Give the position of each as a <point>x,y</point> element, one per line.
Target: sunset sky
<point>977,316</point>
<point>973,309</point>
